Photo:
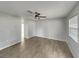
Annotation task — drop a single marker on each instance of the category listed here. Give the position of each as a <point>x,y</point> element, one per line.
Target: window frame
<point>77,29</point>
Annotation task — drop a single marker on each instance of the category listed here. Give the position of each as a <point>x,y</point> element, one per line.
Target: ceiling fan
<point>37,15</point>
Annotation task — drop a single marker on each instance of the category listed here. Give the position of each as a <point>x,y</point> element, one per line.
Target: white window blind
<point>73,28</point>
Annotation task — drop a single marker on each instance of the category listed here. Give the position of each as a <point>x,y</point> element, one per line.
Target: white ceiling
<point>52,9</point>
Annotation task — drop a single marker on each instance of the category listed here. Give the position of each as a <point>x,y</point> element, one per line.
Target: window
<point>73,28</point>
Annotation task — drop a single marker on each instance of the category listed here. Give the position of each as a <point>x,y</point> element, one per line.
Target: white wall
<point>53,29</point>
<point>74,46</point>
<point>29,28</point>
<point>10,30</point>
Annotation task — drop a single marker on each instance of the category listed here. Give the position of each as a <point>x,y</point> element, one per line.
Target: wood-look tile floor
<point>37,47</point>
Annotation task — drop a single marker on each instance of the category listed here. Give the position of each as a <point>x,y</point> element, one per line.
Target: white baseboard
<point>8,45</point>
<point>56,39</point>
<point>50,38</point>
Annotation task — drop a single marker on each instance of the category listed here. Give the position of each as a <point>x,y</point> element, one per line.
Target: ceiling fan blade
<point>30,12</point>
<point>42,16</point>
